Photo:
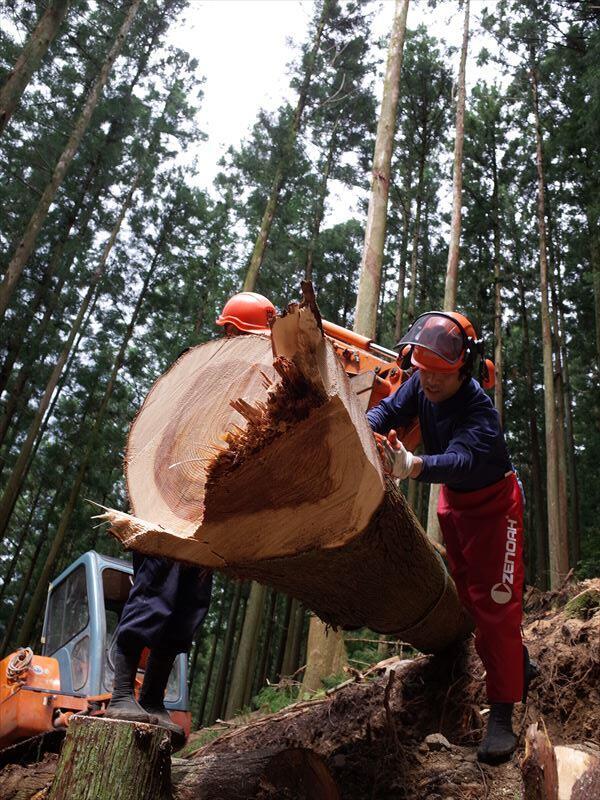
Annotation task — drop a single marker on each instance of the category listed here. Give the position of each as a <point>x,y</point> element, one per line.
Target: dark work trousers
<point>166,604</point>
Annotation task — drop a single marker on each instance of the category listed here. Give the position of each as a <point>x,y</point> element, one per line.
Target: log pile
<point>253,456</point>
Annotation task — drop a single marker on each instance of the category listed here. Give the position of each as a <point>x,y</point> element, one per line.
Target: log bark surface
<point>102,759</point>
<point>272,773</point>
<point>264,773</point>
<point>296,499</point>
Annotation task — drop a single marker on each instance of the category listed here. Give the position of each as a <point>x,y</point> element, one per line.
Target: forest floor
<point>412,731</point>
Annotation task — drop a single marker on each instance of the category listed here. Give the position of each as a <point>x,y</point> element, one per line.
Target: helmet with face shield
<point>444,341</point>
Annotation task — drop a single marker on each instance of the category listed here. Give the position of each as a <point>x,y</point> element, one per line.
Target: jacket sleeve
<point>475,442</point>
<point>397,410</point>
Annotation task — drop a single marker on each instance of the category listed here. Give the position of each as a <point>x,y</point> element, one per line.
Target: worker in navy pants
<point>166,604</point>
<point>169,600</point>
<point>480,509</point>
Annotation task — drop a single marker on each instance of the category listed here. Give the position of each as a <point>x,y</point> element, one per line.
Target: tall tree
<point>459,136</point>
<point>27,243</point>
<point>365,319</point>
<point>558,547</point>
<point>33,52</point>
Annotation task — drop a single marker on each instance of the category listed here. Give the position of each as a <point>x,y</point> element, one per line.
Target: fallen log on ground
<point>273,773</point>
<point>261,464</point>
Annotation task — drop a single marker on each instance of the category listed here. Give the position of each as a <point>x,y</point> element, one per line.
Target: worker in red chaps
<point>481,504</point>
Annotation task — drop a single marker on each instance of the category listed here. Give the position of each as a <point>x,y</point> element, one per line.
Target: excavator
<point>74,673</point>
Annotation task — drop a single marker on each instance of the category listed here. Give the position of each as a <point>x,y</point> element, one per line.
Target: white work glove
<point>397,460</point>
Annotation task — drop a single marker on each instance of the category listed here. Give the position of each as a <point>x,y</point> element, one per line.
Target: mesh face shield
<point>440,335</point>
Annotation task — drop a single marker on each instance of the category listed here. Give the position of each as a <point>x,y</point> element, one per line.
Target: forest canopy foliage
<point>132,259</point>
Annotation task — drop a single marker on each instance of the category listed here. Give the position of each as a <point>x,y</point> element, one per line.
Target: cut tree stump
<point>102,759</point>
<point>253,456</point>
<point>540,773</point>
<point>558,773</point>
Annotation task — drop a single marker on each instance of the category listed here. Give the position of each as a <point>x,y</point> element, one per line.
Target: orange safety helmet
<point>247,311</point>
<point>444,341</point>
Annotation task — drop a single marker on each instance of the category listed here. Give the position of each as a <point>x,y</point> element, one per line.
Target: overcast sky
<point>243,49</point>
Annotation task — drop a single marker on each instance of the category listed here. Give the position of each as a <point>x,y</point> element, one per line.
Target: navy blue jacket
<point>462,438</point>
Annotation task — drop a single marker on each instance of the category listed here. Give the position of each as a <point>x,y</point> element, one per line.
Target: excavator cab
<point>75,672</point>
<point>83,610</point>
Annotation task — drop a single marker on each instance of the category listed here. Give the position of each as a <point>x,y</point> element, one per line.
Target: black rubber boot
<point>152,695</point>
<point>531,671</point>
<point>123,704</point>
<point>499,741</point>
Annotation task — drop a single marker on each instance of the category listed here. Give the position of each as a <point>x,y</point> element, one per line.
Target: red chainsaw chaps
<point>483,534</point>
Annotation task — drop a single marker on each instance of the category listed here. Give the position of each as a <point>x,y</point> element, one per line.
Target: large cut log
<point>253,456</point>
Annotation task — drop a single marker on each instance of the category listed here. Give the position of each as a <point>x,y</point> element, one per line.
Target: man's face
<point>440,386</point>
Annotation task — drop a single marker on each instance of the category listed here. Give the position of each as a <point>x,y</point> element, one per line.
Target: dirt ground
<point>412,734</point>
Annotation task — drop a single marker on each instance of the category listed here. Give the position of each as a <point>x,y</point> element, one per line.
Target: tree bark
<point>326,655</point>
<point>558,547</point>
<point>102,759</point>
<point>30,58</point>
<point>399,315</point>
<point>289,663</point>
<point>274,772</point>
<point>246,656</point>
<point>541,550</point>
<point>207,677</point>
<point>27,243</point>
<point>372,258</point>
<point>575,537</point>
<point>219,690</point>
<point>414,255</point>
<point>594,239</point>
<point>459,138</point>
<point>283,503</point>
<point>540,773</point>
<point>262,671</point>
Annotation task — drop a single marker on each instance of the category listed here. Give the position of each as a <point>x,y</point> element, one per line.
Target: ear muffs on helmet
<point>406,355</point>
<point>487,373</point>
